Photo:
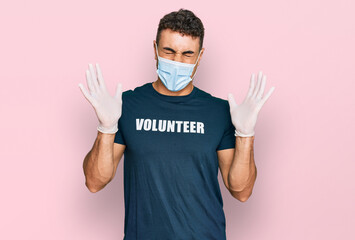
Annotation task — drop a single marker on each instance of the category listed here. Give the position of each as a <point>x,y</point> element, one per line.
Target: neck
<point>160,87</point>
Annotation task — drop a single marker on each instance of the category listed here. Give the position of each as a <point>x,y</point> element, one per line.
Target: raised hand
<point>108,109</point>
<point>244,116</point>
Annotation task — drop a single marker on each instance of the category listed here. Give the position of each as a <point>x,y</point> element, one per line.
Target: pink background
<point>304,135</point>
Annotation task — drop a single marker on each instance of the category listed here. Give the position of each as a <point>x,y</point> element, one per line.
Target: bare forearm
<point>242,171</point>
<point>98,164</point>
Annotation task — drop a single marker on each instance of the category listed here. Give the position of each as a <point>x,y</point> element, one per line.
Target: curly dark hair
<point>183,21</point>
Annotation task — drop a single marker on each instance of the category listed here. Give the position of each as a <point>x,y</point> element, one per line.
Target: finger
<point>86,94</point>
<point>118,94</point>
<point>231,101</point>
<point>256,89</point>
<point>100,77</point>
<point>267,95</point>
<point>94,78</point>
<point>251,86</point>
<point>89,82</point>
<point>262,88</point>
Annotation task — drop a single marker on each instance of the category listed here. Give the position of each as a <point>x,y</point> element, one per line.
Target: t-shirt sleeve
<point>119,135</point>
<point>228,138</point>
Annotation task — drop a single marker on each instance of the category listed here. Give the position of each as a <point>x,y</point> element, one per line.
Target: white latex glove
<point>108,109</point>
<point>244,116</point>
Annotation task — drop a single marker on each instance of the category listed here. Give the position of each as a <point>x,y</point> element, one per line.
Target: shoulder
<point>128,94</point>
<point>216,102</point>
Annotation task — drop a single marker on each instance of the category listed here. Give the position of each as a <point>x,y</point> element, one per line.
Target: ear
<point>202,50</point>
<point>155,51</point>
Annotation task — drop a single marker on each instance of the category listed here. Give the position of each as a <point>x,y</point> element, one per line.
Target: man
<point>174,136</point>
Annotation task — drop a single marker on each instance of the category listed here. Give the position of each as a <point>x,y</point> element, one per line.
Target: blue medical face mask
<point>174,75</point>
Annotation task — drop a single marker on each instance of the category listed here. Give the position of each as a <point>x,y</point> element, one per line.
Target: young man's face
<point>174,46</point>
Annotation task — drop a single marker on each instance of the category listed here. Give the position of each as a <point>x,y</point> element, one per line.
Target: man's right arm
<point>100,164</point>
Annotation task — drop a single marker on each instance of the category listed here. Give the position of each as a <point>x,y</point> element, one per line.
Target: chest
<point>172,128</point>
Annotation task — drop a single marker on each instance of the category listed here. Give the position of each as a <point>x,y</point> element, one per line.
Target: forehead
<point>177,41</point>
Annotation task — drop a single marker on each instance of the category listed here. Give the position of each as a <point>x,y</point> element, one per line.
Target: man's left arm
<point>237,165</point>
<point>238,168</point>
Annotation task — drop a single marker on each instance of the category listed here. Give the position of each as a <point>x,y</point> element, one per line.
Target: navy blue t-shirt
<point>171,189</point>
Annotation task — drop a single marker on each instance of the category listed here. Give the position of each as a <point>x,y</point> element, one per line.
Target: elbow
<point>95,187</point>
<point>242,196</point>
<point>95,184</point>
<point>91,188</point>
<point>243,199</point>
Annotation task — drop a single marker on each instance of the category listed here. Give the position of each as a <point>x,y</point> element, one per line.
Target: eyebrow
<point>172,50</point>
